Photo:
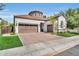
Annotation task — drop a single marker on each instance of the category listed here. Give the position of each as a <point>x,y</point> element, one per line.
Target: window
<point>35,14</point>
<point>61,24</point>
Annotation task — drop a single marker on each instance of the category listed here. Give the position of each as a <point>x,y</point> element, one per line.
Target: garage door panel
<point>50,28</point>
<point>27,28</point>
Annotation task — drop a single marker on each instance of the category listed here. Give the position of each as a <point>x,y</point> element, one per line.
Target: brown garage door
<point>49,28</point>
<point>24,28</point>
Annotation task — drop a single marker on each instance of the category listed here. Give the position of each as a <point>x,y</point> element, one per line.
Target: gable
<point>62,22</point>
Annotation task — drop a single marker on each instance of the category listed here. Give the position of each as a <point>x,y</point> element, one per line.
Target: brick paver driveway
<point>41,44</point>
<point>29,38</point>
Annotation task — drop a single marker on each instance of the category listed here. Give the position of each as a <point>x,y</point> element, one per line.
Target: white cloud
<point>6,16</point>
<point>7,13</point>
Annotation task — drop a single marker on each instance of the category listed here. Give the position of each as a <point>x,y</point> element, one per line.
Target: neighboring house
<point>35,21</point>
<point>5,27</point>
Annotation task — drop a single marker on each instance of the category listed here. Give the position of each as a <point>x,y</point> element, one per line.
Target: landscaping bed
<point>66,34</point>
<point>7,42</point>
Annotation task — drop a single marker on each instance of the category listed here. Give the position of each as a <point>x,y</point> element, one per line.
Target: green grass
<point>7,42</point>
<point>66,34</point>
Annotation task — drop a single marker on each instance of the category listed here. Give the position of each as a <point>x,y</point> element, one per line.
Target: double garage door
<point>25,28</point>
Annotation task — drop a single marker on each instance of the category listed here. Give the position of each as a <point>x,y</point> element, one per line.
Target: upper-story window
<point>34,14</point>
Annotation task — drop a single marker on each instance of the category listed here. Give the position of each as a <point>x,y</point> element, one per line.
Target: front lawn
<point>66,34</point>
<point>7,42</point>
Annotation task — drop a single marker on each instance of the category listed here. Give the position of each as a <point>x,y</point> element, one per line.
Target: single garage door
<point>49,28</point>
<point>25,28</point>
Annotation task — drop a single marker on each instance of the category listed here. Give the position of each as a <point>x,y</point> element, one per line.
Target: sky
<point>48,9</point>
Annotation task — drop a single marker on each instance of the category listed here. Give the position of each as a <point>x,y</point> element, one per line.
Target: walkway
<point>70,52</point>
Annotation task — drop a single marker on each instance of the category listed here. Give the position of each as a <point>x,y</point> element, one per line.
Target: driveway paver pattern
<point>29,38</point>
<point>41,44</point>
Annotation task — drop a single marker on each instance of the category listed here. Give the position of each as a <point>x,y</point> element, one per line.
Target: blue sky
<point>48,9</point>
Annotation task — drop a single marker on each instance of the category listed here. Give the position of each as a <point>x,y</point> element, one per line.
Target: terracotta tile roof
<point>31,17</point>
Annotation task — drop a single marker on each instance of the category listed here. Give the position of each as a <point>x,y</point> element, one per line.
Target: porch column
<point>16,27</point>
<point>45,28</point>
<point>39,28</point>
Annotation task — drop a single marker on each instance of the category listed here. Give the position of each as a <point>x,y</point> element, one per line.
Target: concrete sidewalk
<point>70,52</point>
<point>46,48</point>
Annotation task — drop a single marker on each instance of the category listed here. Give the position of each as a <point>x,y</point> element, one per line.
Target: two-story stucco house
<point>35,21</point>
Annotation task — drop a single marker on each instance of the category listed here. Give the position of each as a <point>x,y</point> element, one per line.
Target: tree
<point>52,19</point>
<point>54,23</point>
<point>0,25</point>
<point>1,8</point>
<point>12,27</point>
<point>72,16</point>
